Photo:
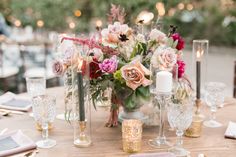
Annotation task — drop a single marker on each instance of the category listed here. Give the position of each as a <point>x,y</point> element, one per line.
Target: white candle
<point>163,82</point>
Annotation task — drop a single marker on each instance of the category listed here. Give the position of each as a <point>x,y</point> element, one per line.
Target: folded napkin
<point>15,142</point>
<point>163,154</point>
<point>12,101</point>
<point>231,130</point>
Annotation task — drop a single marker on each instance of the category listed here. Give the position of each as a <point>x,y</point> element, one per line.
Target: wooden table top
<point>107,142</point>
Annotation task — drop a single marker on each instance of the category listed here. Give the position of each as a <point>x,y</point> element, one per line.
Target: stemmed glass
<point>213,92</point>
<point>44,109</point>
<point>180,118</point>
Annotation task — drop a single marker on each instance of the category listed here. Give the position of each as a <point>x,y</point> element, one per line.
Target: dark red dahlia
<point>180,40</point>
<point>94,70</point>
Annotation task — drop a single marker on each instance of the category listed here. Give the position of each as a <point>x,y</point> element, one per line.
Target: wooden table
<point>107,142</point>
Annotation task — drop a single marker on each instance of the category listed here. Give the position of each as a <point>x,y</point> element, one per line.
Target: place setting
<point>146,79</point>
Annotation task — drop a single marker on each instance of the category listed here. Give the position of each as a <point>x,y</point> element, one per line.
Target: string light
<point>40,23</point>
<point>181,6</point>
<point>160,8</point>
<point>72,25</point>
<point>17,23</point>
<point>77,13</point>
<point>189,7</point>
<point>99,23</point>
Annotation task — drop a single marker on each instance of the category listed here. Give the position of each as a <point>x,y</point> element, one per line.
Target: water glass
<point>213,93</point>
<point>180,118</point>
<point>36,86</point>
<point>44,110</point>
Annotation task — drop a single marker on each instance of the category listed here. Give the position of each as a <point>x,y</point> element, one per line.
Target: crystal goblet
<point>180,117</point>
<point>213,92</point>
<point>44,109</point>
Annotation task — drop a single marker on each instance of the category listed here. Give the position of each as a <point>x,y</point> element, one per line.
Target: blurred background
<point>29,28</point>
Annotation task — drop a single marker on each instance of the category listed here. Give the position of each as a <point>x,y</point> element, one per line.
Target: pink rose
<point>58,68</point>
<point>109,65</point>
<point>134,75</point>
<point>180,40</point>
<point>164,58</point>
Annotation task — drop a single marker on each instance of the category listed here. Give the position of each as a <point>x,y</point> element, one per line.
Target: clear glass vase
<point>81,108</point>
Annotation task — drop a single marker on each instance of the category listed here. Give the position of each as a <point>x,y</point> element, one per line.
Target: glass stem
<point>213,112</point>
<point>179,141</point>
<point>162,104</point>
<point>45,131</point>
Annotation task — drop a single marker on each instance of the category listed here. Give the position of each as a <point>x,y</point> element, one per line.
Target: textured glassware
<point>180,118</point>
<point>44,110</point>
<point>35,86</point>
<point>213,93</point>
<point>132,135</point>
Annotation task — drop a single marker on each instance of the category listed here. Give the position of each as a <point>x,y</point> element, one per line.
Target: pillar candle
<point>164,82</point>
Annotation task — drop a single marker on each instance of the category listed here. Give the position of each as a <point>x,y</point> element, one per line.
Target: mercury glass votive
<point>132,135</point>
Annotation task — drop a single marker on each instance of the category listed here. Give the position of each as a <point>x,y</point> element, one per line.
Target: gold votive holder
<point>39,126</point>
<point>196,127</point>
<point>132,135</point>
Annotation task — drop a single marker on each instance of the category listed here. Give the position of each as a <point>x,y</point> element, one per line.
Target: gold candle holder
<point>132,135</point>
<point>83,140</point>
<point>196,127</point>
<point>198,111</point>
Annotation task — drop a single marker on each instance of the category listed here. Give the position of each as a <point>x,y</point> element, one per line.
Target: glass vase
<point>81,100</point>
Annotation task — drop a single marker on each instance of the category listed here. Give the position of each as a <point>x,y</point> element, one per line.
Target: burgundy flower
<point>180,40</point>
<point>94,70</point>
<point>181,68</point>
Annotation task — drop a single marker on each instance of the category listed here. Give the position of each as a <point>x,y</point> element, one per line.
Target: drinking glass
<point>36,86</point>
<point>44,109</point>
<point>213,92</point>
<point>180,118</point>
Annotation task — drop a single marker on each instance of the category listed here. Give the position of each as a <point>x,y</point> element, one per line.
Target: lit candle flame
<point>80,64</point>
<point>200,53</point>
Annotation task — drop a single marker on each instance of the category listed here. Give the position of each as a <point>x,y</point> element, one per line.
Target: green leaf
<point>143,92</point>
<point>130,102</point>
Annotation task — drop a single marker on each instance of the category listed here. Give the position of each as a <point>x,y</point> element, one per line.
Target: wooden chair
<point>9,70</point>
<point>235,79</point>
<point>37,63</point>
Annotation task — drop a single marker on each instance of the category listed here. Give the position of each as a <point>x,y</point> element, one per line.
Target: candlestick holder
<point>196,127</point>
<point>81,101</point>
<point>200,57</point>
<point>163,100</point>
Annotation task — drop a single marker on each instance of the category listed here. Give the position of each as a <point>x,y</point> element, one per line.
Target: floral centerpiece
<point>121,59</point>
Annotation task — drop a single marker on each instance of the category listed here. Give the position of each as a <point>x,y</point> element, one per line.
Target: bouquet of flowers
<point>121,58</point>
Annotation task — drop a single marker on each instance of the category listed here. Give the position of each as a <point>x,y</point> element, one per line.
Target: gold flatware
<point>12,112</point>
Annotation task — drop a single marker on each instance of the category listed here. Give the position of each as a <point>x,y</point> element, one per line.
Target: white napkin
<point>15,142</point>
<point>12,101</point>
<point>231,130</point>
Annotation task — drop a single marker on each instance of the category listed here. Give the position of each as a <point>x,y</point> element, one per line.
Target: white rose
<point>157,35</point>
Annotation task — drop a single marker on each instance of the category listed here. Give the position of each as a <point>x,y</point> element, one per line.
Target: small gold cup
<point>39,126</point>
<point>132,135</point>
<point>196,127</point>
